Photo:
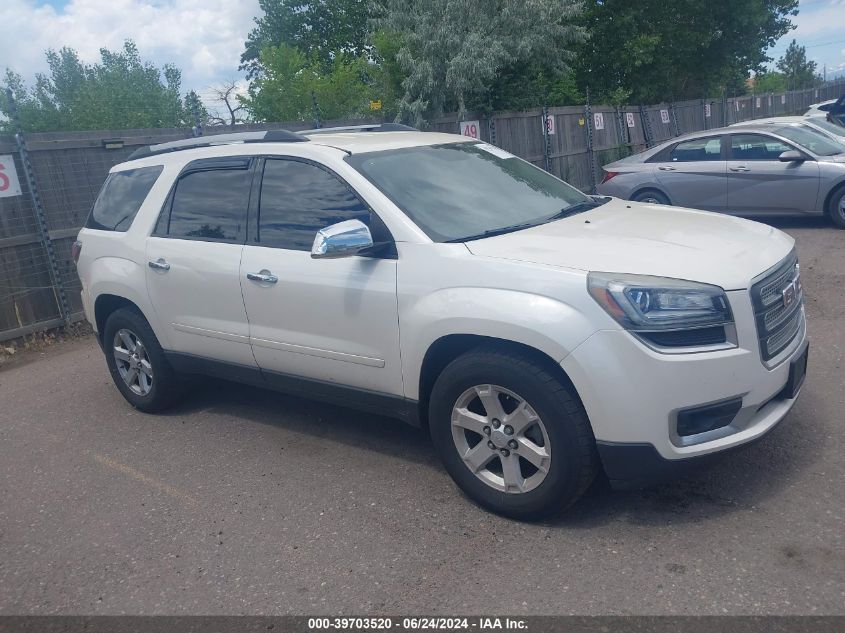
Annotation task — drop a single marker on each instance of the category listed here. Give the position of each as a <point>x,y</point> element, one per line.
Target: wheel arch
<point>449,347</point>
<point>834,190</point>
<point>650,187</point>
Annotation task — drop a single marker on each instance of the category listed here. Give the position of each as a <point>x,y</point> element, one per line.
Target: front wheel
<point>511,434</point>
<point>136,362</point>
<point>836,211</point>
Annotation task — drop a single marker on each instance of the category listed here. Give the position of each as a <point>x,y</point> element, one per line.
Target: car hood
<point>645,239</point>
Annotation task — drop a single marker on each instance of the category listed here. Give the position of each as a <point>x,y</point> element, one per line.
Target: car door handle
<point>666,168</point>
<point>265,276</point>
<point>740,168</point>
<point>159,264</point>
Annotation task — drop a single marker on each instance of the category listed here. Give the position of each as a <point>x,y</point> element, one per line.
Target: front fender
<point>548,325</point>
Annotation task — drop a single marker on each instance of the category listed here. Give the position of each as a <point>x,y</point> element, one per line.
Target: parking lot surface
<point>243,501</point>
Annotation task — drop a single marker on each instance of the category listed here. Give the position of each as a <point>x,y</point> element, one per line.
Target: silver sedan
<point>750,170</point>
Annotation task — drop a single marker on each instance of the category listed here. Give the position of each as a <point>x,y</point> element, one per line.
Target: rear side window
<point>697,150</point>
<point>298,199</point>
<point>209,205</point>
<point>122,195</point>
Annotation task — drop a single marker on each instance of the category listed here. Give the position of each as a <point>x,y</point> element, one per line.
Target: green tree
<point>769,81</point>
<point>656,50</point>
<point>453,52</point>
<point>291,80</point>
<point>121,91</point>
<point>319,28</point>
<point>798,71</point>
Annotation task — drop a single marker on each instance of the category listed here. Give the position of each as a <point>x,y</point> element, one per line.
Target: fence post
<point>38,210</point>
<point>591,157</point>
<point>547,160</point>
<point>318,121</point>
<point>491,128</point>
<point>197,123</point>
<point>646,121</point>
<point>675,126</point>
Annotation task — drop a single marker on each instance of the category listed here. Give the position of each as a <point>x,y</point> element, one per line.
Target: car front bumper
<point>633,396</point>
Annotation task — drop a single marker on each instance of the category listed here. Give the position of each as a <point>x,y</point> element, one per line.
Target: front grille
<point>778,323</point>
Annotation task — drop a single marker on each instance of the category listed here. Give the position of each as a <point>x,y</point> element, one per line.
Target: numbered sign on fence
<point>550,124</point>
<point>758,102</point>
<point>707,110</point>
<point>664,116</point>
<point>598,119</point>
<point>629,119</point>
<point>9,184</point>
<point>471,129</point>
<point>783,99</point>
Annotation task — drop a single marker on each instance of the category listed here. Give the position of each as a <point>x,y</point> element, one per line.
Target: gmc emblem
<point>789,294</point>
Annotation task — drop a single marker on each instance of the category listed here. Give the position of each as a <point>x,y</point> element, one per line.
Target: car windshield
<point>824,124</point>
<point>810,139</point>
<point>463,191</point>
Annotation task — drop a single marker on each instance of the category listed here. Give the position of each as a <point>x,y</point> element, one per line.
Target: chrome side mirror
<point>792,156</point>
<point>343,239</point>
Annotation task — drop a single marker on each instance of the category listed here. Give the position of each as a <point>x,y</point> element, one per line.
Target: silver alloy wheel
<point>501,439</point>
<point>133,362</point>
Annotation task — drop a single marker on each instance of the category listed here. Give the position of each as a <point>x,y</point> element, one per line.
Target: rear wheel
<point>651,196</point>
<point>836,210</point>
<point>136,362</point>
<point>511,435</point>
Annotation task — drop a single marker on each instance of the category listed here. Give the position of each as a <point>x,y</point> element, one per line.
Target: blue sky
<point>205,37</point>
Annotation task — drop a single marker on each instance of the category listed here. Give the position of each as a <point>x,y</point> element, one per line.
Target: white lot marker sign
<point>629,119</point>
<point>598,119</point>
<point>664,116</point>
<point>470,129</point>
<point>9,185</point>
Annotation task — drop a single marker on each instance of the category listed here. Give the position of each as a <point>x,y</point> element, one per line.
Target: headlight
<point>666,312</point>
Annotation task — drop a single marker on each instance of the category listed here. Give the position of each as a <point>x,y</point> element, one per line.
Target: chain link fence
<point>60,173</point>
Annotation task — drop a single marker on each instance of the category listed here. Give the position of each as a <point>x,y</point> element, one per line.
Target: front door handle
<point>265,276</point>
<point>159,264</point>
<point>666,168</point>
<point>740,168</point>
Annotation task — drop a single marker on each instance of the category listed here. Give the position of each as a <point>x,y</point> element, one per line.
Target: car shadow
<point>796,222</point>
<point>737,481</point>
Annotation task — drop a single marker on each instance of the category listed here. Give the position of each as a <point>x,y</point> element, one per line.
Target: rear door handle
<point>159,264</point>
<point>740,168</point>
<point>666,168</point>
<point>265,276</point>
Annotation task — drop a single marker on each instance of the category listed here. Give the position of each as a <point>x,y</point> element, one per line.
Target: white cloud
<point>204,38</point>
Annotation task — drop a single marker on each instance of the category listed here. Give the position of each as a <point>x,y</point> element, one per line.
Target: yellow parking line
<point>145,479</point>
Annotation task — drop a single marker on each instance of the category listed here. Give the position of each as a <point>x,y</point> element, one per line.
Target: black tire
<point>166,385</point>
<point>651,196</point>
<point>574,460</point>
<point>836,208</point>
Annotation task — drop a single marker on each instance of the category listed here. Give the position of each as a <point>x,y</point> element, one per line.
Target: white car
<point>818,123</point>
<point>542,335</point>
<point>820,109</point>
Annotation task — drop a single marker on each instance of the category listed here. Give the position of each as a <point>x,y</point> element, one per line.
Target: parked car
<point>756,169</point>
<point>834,131</point>
<point>820,109</point>
<point>833,110</point>
<point>539,334</point>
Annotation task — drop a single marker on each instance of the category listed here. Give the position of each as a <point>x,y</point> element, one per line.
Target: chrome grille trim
<point>777,324</point>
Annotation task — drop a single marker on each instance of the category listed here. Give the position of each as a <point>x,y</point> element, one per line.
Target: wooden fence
<point>39,287</point>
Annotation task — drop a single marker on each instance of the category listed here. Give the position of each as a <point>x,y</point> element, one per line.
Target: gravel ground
<point>244,501</point>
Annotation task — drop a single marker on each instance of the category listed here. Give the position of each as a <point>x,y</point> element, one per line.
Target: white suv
<point>541,334</point>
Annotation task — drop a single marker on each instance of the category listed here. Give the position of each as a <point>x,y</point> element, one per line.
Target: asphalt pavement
<point>243,501</point>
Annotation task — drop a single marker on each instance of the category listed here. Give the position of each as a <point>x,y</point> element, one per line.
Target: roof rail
<point>271,136</point>
<point>372,127</point>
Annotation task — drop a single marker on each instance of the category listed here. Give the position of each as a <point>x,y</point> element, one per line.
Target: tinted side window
<point>121,197</point>
<point>756,147</point>
<point>210,205</point>
<point>298,199</point>
<point>697,150</point>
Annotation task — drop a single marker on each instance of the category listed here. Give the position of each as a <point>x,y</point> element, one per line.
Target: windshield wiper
<point>493,232</point>
<point>578,207</point>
